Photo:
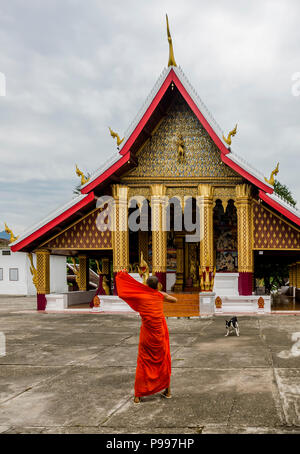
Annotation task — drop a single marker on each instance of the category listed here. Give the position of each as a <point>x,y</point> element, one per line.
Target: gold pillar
<point>43,271</point>
<point>159,234</point>
<point>83,274</point>
<point>297,283</point>
<point>120,228</point>
<point>205,203</point>
<point>244,228</point>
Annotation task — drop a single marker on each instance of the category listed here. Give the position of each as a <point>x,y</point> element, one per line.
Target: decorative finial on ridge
<point>232,133</point>
<point>271,180</point>
<point>171,61</point>
<point>12,236</point>
<point>84,179</point>
<point>115,135</point>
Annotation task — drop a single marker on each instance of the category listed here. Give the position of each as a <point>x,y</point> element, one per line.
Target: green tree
<point>284,192</point>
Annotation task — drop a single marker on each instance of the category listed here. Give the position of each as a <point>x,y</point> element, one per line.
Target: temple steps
<point>187,305</point>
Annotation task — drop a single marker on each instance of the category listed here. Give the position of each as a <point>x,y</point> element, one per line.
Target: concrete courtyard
<point>74,373</point>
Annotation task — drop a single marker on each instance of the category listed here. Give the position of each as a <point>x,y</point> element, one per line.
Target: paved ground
<point>74,373</point>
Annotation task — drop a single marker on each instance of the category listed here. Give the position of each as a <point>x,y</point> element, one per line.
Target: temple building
<point>175,156</point>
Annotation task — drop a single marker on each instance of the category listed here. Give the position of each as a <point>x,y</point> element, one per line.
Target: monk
<point>153,371</point>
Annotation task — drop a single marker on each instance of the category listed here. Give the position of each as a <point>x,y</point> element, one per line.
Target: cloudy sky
<point>75,67</point>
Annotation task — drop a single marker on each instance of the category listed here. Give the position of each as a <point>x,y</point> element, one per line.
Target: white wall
<point>24,286</point>
<point>15,260</point>
<point>58,274</point>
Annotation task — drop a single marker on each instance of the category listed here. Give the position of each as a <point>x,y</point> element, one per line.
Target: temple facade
<point>205,218</point>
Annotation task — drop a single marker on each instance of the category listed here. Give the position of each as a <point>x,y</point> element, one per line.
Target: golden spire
<point>232,133</point>
<point>12,236</point>
<point>115,135</point>
<point>271,180</point>
<point>171,61</point>
<point>83,177</point>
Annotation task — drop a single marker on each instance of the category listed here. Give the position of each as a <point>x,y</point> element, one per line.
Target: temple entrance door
<point>225,237</point>
<point>192,254</point>
<point>182,263</point>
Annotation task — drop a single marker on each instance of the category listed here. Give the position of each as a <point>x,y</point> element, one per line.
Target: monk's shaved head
<point>152,282</point>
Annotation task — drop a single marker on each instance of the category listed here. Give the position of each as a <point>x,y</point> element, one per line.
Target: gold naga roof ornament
<point>271,180</point>
<point>84,179</point>
<point>33,270</point>
<point>171,61</point>
<point>231,134</point>
<point>10,232</point>
<point>115,135</point>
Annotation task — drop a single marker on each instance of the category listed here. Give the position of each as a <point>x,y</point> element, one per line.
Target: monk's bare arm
<point>169,298</point>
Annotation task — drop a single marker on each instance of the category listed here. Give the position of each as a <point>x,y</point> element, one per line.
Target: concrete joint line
<point>275,390</point>
<point>15,396</point>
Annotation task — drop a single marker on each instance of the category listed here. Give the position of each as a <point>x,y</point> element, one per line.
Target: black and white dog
<point>232,325</point>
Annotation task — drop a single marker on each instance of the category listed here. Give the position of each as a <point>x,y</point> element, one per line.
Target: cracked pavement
<point>74,373</point>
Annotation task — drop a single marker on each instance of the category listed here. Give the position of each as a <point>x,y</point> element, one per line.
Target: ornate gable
<point>271,231</point>
<point>160,157</point>
<point>83,234</point>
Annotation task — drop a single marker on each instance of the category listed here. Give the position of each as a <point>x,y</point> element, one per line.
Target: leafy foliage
<point>274,273</point>
<point>283,191</point>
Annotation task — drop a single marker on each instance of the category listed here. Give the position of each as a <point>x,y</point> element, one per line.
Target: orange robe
<point>153,372</point>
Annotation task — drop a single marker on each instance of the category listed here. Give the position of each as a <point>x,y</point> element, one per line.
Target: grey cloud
<point>74,68</point>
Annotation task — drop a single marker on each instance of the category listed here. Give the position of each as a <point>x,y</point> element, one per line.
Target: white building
<point>15,276</point>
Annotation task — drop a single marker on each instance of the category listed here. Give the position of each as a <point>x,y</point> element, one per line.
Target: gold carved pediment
<point>194,155</point>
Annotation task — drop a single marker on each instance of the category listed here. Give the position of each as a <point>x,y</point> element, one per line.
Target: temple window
<point>225,237</point>
<point>13,274</point>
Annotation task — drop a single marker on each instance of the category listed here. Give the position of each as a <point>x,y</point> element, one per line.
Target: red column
<point>245,283</point>
<point>41,301</point>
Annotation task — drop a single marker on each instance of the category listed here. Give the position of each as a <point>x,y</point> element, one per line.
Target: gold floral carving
<point>202,157</point>
<point>205,202</point>
<point>43,271</point>
<point>82,275</point>
<point>159,234</point>
<point>244,227</point>
<point>120,228</point>
<point>224,194</point>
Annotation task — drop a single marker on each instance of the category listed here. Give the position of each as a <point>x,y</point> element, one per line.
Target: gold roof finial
<point>12,236</point>
<point>271,180</point>
<point>232,133</point>
<point>83,177</point>
<point>171,61</point>
<point>115,135</point>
